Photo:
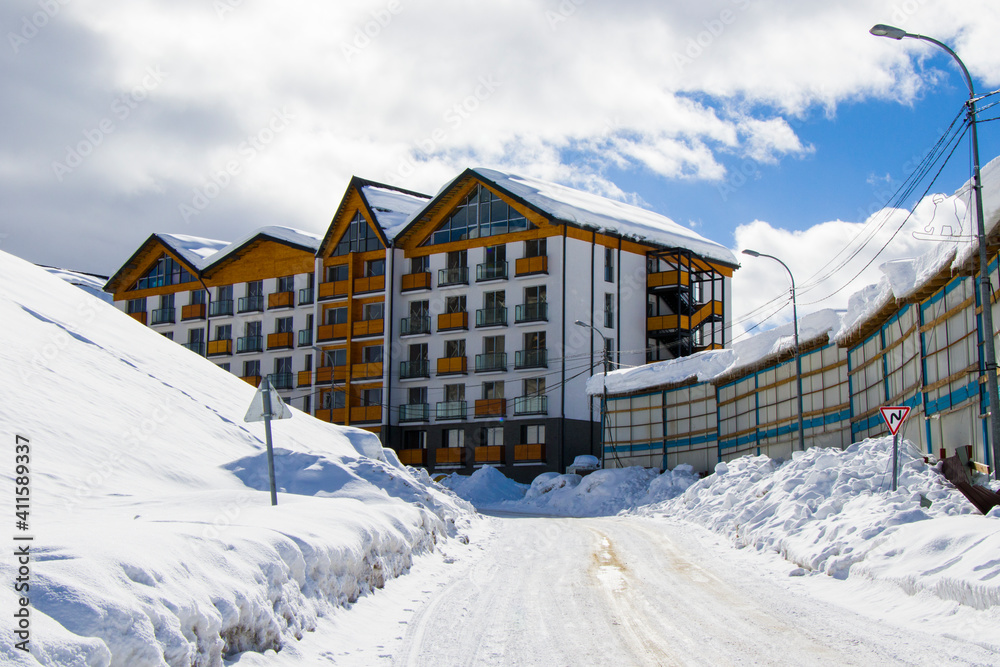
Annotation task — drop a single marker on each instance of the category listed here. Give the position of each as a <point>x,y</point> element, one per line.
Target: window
<point>494,300</point>
<point>198,297</point>
<point>283,365</point>
<point>534,248</point>
<point>336,315</point>
<point>493,345</point>
<point>255,288</point>
<point>336,273</point>
<point>609,265</point>
<point>454,392</point>
<point>334,400</point>
<point>372,311</point>
<point>609,348</point>
<point>251,368</point>
<point>495,255</point>
<point>454,348</point>
<point>534,294</point>
<point>308,364</point>
<point>534,386</point>
<point>609,311</point>
<point>374,267</point>
<point>534,340</point>
<point>454,304</point>
<point>457,259</point>
<point>336,357</point>
<point>166,301</point>
<point>286,284</point>
<point>371,397</point>
<point>164,272</point>
<point>493,390</point>
<point>307,404</point>
<point>224,366</point>
<point>252,329</point>
<point>419,308</point>
<point>223,332</point>
<point>491,436</point>
<point>417,395</point>
<point>169,335</point>
<point>480,214</point>
<point>224,293</point>
<point>533,434</point>
<point>453,437</point>
<point>371,354</point>
<point>417,352</point>
<point>136,306</point>
<point>196,338</point>
<point>420,264</point>
<point>415,440</point>
<point>283,325</point>
<point>359,237</point>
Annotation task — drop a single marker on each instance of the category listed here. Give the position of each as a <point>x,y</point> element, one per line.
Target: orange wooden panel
<point>253,380</point>
<point>527,265</point>
<point>368,327</point>
<point>220,347</point>
<point>416,281</point>
<point>450,455</point>
<point>453,321</point>
<point>281,300</point>
<point>529,452</point>
<point>491,407</point>
<point>368,413</point>
<point>305,378</point>
<point>413,457</point>
<point>452,365</point>
<point>194,311</point>
<point>138,317</point>
<point>332,289</point>
<point>278,340</point>
<point>491,454</point>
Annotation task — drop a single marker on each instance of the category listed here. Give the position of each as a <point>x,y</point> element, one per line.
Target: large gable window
<point>480,214</point>
<point>166,271</point>
<point>359,237</point>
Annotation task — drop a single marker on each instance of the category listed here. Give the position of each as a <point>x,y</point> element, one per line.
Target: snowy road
<point>614,591</point>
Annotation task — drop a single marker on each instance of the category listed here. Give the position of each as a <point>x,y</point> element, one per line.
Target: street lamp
<point>986,323</point>
<point>604,400</point>
<point>798,355</point>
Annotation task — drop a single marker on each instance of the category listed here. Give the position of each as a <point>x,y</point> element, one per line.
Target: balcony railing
<point>139,316</point>
<point>335,416</point>
<point>281,300</point>
<point>456,276</point>
<point>531,405</point>
<point>222,346</point>
<point>492,361</point>
<point>531,312</point>
<point>193,311</point>
<point>335,288</point>
<point>491,271</point>
<point>491,407</point>
<point>198,348</point>
<point>448,321</point>
<point>371,369</point>
<point>531,359</point>
<point>251,304</point>
<point>534,452</point>
<point>252,380</point>
<point>452,365</point>
<point>220,308</point>
<point>491,317</point>
<point>527,266</point>
<point>277,341</point>
<point>306,296</point>
<point>305,337</point>
<point>451,410</point>
<point>414,412</point>
<point>449,455</point>
<point>282,380</point>
<point>419,368</point>
<point>489,454</point>
<point>415,281</point>
<point>366,413</point>
<point>331,331</point>
<point>328,374</point>
<point>370,284</point>
<point>163,316</point>
<point>250,344</point>
<point>305,378</point>
<point>368,327</point>
<point>412,457</point>
<point>415,324</point>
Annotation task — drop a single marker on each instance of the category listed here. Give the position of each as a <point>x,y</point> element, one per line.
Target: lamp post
<point>798,355</point>
<point>986,323</point>
<point>604,399</point>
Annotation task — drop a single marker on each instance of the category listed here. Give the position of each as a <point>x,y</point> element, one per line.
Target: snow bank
<point>155,542</point>
<point>487,486</point>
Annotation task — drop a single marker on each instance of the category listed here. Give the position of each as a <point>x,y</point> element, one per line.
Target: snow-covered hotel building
<point>446,324</point>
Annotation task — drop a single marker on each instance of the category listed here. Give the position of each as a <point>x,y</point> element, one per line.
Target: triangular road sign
<point>894,417</point>
<point>278,410</point>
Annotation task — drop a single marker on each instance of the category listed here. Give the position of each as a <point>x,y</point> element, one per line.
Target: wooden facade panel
<point>264,259</point>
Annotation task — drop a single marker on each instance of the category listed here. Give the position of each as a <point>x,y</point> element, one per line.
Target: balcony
<point>331,332</point>
<point>491,271</point>
<point>415,412</point>
<point>529,453</point>
<point>450,456</point>
<point>220,308</point>
<point>197,347</point>
<point>252,380</point>
<point>370,284</point>
<point>306,296</point>
<point>452,365</point>
<point>251,304</point>
<point>415,281</point>
<point>527,266</point>
<point>249,344</point>
<point>139,317</point>
<point>531,359</point>
<point>412,457</point>
<point>305,379</point>
<point>491,317</point>
<point>491,407</point>
<point>163,316</point>
<point>305,337</point>
<point>366,413</point>
<point>531,405</point>
<point>456,276</point>
<point>194,311</point>
<point>281,300</point>
<point>531,312</point>
<point>451,410</point>
<point>491,361</point>
<point>368,328</point>
<point>334,416</point>
<point>372,369</point>
<point>281,380</point>
<point>328,374</point>
<point>489,454</point>
<point>219,347</point>
<point>415,324</point>
<point>278,341</point>
<point>334,289</point>
<point>419,368</point>
<point>450,321</point>
<point>674,279</point>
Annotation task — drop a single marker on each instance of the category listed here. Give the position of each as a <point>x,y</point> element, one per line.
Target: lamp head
<point>581,323</point>
<point>882,30</point>
<point>752,253</point>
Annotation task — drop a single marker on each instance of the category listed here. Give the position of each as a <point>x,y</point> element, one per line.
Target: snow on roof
<point>393,209</point>
<point>712,364</point>
<point>279,233</point>
<point>91,283</point>
<point>990,176</point>
<point>593,211</point>
<point>194,250</point>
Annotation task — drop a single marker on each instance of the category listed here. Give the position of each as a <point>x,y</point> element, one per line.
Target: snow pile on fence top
<point>392,208</point>
<point>606,215</point>
<point>155,542</point>
<point>711,364</point>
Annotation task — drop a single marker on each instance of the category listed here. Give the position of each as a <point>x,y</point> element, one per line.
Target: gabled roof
<point>388,206</point>
<point>294,238</point>
<point>191,251</point>
<point>587,211</point>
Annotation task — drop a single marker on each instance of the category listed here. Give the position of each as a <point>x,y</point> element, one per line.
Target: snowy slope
<point>155,543</point>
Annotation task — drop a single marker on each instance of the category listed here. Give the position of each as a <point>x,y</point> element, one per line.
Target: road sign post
<point>894,417</point>
<point>261,410</point>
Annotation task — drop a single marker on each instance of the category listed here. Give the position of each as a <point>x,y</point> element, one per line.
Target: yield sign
<point>894,417</point>
<point>266,404</point>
